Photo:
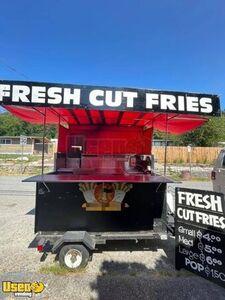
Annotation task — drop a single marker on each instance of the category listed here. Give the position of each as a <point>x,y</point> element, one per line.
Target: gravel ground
<point>202,171</point>
<point>123,274</point>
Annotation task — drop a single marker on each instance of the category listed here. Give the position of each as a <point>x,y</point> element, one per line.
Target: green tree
<point>207,135</point>
<point>12,126</point>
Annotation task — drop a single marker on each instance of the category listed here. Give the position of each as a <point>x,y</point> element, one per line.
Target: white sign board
<point>23,140</point>
<point>189,148</point>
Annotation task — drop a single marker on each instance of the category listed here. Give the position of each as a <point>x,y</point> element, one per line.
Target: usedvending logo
<point>22,289</point>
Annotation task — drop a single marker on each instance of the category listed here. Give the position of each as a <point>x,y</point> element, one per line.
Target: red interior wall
<point>108,139</point>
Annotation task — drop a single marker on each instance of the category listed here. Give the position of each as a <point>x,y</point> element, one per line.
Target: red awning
<point>171,122</point>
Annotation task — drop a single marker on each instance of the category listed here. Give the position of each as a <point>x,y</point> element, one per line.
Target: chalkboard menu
<point>200,233</point>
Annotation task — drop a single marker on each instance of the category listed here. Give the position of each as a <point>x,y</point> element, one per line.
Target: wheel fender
<point>71,237</point>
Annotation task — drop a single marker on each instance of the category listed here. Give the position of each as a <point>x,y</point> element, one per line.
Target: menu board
<point>200,233</point>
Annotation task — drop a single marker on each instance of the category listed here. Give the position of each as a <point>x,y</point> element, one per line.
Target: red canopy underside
<point>174,123</point>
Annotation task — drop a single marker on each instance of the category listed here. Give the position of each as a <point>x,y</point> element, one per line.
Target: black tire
<point>80,253</point>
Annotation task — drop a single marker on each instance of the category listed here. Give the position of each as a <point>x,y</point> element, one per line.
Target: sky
<point>165,44</point>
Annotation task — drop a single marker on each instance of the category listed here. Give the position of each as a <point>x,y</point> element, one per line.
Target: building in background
<point>160,143</point>
<point>11,145</point>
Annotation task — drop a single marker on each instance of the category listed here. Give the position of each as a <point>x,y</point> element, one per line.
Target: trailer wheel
<point>73,256</point>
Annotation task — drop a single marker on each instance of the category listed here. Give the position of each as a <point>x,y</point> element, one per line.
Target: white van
<point>218,173</point>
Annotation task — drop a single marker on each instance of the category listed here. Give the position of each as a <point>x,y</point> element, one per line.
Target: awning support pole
<point>43,144</point>
<point>166,140</point>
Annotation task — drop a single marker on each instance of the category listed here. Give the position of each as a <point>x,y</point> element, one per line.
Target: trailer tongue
<point>104,186</point>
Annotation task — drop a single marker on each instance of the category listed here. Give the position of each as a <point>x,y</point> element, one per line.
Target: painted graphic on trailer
<point>104,196</point>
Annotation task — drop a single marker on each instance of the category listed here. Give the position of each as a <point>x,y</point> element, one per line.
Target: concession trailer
<point>104,186</point>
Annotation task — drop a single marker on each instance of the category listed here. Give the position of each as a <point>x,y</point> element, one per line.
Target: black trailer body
<point>60,208</point>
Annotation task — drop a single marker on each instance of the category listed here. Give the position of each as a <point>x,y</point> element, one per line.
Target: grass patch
<point>150,272</point>
<point>175,176</point>
<point>133,274</point>
<point>9,156</point>
<point>25,172</point>
<point>17,158</point>
<point>56,269</point>
<point>171,274</point>
<point>200,178</point>
<point>36,170</point>
<point>178,177</point>
<point>182,273</point>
